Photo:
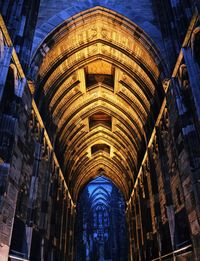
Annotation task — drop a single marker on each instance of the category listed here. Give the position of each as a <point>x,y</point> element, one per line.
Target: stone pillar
<point>101,251</point>
<point>72,232</point>
<point>130,230</point>
<point>65,238</point>
<point>62,228</point>
<point>69,231</point>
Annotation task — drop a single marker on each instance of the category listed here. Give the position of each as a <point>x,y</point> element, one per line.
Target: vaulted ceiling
<point>99,83</point>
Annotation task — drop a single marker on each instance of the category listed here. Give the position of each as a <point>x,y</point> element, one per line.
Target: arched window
<point>195,44</point>
<point>8,105</point>
<point>183,77</point>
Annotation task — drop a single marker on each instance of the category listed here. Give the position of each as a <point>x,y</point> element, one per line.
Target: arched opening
<point>99,84</point>
<point>8,114</point>
<point>9,92</point>
<point>101,231</point>
<point>195,43</point>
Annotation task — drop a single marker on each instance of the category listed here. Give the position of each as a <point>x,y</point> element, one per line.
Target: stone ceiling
<point>99,81</point>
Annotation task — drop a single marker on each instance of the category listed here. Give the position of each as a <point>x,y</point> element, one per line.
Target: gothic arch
<point>101,44</point>
<point>10,89</point>
<point>16,78</point>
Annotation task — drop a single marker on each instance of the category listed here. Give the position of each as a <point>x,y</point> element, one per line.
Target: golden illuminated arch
<point>99,63</point>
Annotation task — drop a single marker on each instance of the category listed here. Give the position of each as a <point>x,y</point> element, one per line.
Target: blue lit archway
<point>100,225</point>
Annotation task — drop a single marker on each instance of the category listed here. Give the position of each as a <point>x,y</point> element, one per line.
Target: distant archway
<point>101,230</point>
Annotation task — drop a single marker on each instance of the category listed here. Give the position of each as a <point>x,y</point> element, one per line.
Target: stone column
<point>130,229</point>
<point>72,231</point>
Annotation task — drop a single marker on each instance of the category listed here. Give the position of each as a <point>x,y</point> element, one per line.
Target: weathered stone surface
<point>157,152</point>
<point>51,14</point>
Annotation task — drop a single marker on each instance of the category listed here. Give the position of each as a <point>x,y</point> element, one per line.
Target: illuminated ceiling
<point>98,82</point>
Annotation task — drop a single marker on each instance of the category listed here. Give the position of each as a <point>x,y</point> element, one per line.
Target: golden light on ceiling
<point>99,80</point>
<point>99,67</point>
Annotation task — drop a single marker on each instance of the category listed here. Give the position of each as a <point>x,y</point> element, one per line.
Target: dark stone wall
<point>20,17</point>
<point>36,210</point>
<point>168,187</point>
<point>174,18</point>
<point>166,22</point>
